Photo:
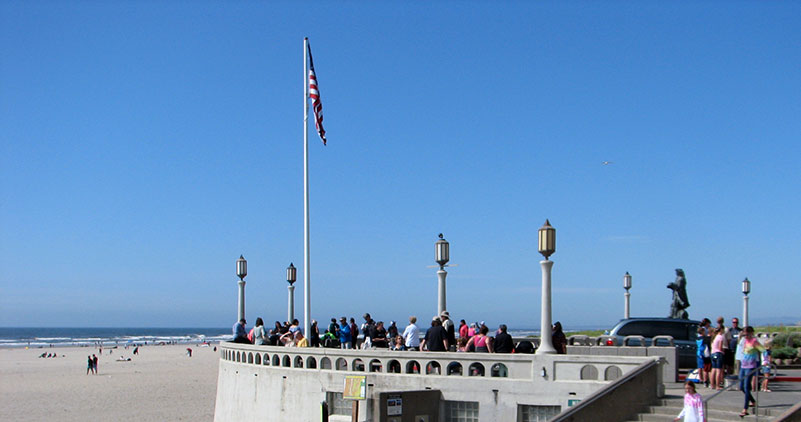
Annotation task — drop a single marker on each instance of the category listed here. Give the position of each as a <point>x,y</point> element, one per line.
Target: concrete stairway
<point>668,407</point>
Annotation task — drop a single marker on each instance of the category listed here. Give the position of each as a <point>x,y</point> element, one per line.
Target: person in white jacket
<point>693,410</point>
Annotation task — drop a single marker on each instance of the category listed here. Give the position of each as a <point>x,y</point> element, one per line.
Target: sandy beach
<point>160,384</point>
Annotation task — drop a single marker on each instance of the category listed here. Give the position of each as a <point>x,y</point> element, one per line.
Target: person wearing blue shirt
<point>344,333</point>
<point>240,335</point>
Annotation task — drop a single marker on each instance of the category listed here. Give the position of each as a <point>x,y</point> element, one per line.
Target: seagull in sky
<point>606,163</point>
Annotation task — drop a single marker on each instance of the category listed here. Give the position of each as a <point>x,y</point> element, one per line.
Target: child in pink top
<point>693,410</point>
<point>717,358</point>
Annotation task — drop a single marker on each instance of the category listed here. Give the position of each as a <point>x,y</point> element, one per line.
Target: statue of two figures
<point>678,309</point>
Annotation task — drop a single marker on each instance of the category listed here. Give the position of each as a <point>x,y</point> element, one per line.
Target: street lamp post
<point>547,246</point>
<point>627,286</point>
<point>442,257</point>
<point>746,290</point>
<point>291,277</point>
<point>241,272</point>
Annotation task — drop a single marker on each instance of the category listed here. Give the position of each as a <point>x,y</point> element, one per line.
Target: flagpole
<point>306,282</point>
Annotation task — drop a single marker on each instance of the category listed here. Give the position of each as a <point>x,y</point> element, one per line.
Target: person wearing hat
<point>240,335</point>
<point>392,330</point>
<point>436,339</point>
<point>447,324</point>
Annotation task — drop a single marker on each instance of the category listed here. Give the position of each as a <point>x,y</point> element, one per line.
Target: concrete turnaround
<point>290,383</point>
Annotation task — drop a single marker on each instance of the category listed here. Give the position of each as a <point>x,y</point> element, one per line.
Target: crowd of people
<point>725,350</point>
<point>442,335</point>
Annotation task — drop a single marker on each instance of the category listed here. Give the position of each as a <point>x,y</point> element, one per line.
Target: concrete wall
<point>250,386</point>
<point>792,414</point>
<point>670,367</point>
<point>619,401</point>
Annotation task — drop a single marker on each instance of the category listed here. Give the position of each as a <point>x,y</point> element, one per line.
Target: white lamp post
<point>442,257</point>
<point>746,290</point>
<point>241,272</point>
<point>547,246</point>
<point>627,286</point>
<point>291,277</point>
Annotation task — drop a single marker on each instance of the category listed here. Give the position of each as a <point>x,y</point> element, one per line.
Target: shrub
<point>787,340</point>
<point>784,353</point>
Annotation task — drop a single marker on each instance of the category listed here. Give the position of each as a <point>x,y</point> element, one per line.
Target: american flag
<point>314,94</point>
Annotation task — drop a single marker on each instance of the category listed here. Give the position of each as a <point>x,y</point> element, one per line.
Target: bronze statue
<point>680,301</point>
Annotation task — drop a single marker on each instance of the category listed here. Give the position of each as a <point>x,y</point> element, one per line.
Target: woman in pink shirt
<point>717,358</point>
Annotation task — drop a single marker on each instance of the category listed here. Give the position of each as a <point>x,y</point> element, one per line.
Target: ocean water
<point>46,336</point>
<point>76,336</point>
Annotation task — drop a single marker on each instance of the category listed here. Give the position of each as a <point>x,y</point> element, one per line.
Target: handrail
<point>756,398</point>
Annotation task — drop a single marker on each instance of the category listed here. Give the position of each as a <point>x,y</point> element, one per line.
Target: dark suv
<point>683,331</point>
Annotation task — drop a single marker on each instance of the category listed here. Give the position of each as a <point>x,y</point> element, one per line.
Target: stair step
<point>664,418</point>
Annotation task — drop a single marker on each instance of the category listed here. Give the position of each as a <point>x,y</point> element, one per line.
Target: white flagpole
<point>306,282</point>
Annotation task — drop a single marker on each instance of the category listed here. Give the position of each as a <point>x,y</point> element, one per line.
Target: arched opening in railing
<point>258,359</point>
<point>357,365</point>
<point>238,357</point>
<point>612,373</point>
<point>476,370</point>
<point>394,367</point>
<point>412,367</point>
<point>325,363</point>
<point>342,364</point>
<point>433,368</point>
<point>250,357</point>
<point>298,362</point>
<point>276,360</point>
<point>454,368</point>
<point>266,359</point>
<point>499,370</point>
<point>589,372</point>
<point>311,363</point>
<point>286,361</point>
<point>376,366</point>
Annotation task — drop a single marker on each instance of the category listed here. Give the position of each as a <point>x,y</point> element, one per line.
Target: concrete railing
<point>670,355</point>
<point>289,383</point>
<point>382,361</point>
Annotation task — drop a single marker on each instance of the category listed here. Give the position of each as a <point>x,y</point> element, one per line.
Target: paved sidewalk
<point>784,394</point>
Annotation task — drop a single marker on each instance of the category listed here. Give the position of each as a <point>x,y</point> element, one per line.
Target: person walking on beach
<point>89,365</point>
<point>94,364</point>
<point>693,410</point>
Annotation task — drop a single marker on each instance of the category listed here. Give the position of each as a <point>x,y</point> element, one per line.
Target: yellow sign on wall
<point>355,387</point>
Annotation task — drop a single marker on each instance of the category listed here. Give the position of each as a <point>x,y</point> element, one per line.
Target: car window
<point>634,328</point>
<point>649,329</point>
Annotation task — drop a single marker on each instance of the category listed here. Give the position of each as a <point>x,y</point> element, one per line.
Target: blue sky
<point>145,145</point>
